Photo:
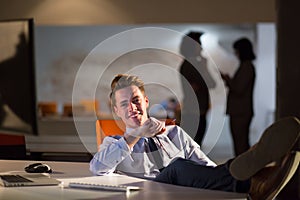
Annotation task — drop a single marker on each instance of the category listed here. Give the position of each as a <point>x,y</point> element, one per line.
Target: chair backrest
<point>12,146</point>
<point>107,127</point>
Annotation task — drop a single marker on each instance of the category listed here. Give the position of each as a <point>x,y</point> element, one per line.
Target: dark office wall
<point>288,73</point>
<point>288,64</point>
<point>83,12</point>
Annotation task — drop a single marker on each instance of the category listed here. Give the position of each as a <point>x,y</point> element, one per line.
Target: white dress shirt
<point>115,155</point>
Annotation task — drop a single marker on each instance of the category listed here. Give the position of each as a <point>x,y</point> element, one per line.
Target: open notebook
<point>26,179</point>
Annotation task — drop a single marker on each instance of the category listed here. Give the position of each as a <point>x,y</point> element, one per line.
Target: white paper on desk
<point>111,179</point>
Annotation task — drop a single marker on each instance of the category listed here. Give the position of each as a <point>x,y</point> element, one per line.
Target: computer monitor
<point>18,109</point>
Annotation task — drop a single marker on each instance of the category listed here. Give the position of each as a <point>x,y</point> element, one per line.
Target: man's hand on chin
<point>150,128</point>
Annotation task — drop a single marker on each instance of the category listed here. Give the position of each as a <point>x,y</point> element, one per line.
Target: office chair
<point>12,146</point>
<point>107,127</point>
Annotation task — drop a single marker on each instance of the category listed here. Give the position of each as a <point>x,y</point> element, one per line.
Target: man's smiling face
<point>131,106</point>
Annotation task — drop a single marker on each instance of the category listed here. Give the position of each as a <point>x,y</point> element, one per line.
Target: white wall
<point>265,88</point>
<point>61,49</point>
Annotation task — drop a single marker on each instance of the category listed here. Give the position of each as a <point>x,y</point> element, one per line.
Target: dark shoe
<point>268,182</point>
<point>276,141</point>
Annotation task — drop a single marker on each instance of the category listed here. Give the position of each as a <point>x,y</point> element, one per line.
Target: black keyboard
<point>14,178</point>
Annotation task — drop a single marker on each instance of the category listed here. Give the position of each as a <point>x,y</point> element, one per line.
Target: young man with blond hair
<point>149,149</point>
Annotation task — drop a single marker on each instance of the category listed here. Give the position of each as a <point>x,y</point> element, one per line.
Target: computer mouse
<point>38,168</point>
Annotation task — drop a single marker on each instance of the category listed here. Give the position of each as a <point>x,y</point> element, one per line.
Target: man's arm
<point>112,152</point>
<point>131,140</point>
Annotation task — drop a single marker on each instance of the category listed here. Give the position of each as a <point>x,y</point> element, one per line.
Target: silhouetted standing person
<point>194,70</point>
<point>11,91</point>
<point>240,95</point>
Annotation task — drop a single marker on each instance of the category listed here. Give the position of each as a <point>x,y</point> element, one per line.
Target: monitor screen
<point>18,111</point>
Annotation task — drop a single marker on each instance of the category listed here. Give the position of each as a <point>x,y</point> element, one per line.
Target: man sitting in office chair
<point>167,154</point>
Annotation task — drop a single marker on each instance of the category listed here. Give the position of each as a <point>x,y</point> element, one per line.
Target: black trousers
<point>239,127</point>
<point>201,130</point>
<point>189,173</point>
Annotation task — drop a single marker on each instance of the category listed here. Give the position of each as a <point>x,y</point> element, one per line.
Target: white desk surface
<point>74,171</point>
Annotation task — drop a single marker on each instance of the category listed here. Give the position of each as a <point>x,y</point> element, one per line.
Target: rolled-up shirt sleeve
<point>201,158</point>
<point>112,151</point>
<point>193,150</point>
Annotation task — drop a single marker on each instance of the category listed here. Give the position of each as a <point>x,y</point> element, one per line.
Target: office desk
<point>70,171</point>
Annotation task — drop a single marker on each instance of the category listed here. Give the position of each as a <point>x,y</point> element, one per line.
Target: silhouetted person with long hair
<point>195,75</point>
<point>240,95</point>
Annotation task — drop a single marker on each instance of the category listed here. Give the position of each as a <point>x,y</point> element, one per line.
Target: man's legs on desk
<point>189,173</point>
<point>250,172</point>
